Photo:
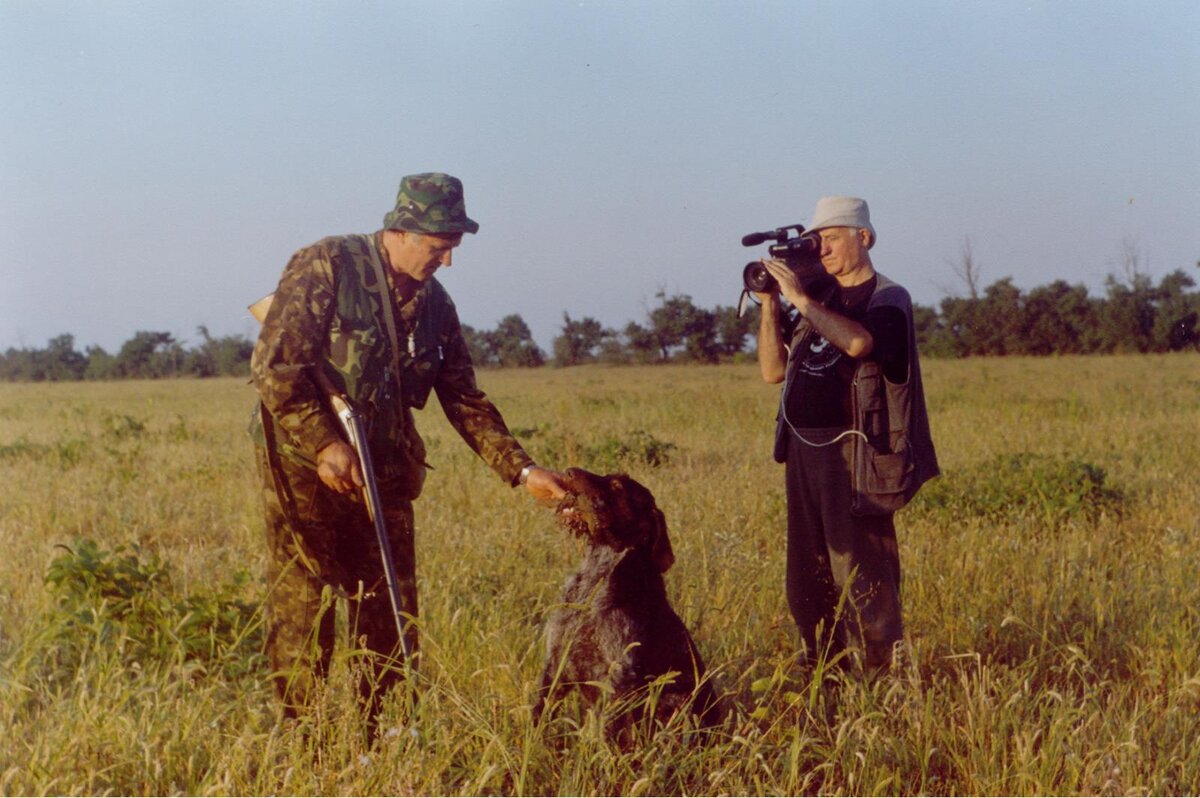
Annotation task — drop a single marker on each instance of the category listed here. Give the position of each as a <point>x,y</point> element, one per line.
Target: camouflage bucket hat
<point>431,202</point>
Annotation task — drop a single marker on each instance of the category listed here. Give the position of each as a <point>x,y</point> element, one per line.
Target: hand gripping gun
<point>356,435</point>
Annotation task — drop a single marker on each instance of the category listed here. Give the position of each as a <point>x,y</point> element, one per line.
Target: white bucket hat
<point>842,212</point>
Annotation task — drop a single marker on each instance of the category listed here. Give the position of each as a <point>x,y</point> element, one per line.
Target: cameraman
<point>839,540</point>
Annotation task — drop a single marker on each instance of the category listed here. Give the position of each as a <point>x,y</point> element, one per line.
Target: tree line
<point>1133,315</point>
<point>147,355</point>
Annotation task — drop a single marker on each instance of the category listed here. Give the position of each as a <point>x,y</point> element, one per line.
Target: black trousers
<point>831,553</point>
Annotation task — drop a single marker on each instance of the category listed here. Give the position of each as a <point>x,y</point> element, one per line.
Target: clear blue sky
<point>160,161</point>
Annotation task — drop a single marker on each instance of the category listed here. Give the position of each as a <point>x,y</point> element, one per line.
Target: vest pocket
<point>881,481</point>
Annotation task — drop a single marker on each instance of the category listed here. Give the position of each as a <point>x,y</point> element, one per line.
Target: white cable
<point>787,384</point>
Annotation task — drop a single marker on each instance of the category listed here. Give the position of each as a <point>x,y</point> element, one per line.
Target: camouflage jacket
<point>327,314</point>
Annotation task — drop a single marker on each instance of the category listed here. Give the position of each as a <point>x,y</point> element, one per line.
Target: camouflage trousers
<point>322,545</point>
<point>831,553</point>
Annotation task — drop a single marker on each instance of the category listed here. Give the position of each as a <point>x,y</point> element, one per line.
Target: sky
<point>161,161</point>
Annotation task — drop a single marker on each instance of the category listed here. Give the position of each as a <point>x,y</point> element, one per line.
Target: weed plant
<point>1050,596</point>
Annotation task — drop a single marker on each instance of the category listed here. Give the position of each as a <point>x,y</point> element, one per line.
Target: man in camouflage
<point>327,330</point>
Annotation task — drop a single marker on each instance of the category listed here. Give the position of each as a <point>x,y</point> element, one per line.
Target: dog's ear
<point>660,550</point>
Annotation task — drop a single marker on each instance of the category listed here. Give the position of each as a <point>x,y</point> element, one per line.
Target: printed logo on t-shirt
<point>822,356</point>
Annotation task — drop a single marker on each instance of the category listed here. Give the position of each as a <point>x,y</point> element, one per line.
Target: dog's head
<point>615,511</point>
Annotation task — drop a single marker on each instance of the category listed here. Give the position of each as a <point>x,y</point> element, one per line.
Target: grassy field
<point>1051,596</point>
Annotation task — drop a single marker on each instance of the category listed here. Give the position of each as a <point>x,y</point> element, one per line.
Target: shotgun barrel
<point>352,424</point>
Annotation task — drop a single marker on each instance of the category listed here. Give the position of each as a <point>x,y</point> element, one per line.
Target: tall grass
<point>1050,593</point>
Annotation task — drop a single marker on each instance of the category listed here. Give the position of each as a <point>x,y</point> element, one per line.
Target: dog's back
<point>616,624</point>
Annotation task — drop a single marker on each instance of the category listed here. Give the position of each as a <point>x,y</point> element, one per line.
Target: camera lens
<point>755,277</point>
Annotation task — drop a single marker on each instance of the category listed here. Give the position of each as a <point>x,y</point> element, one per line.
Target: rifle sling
<point>389,318</point>
<point>283,488</point>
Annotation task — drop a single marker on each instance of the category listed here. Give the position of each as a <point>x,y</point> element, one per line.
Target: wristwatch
<point>521,480</point>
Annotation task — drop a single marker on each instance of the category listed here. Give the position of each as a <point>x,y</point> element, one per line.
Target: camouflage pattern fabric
<point>317,320</point>
<point>321,546</point>
<point>324,317</point>
<point>430,203</point>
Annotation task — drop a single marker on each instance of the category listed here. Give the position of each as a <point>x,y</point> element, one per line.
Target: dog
<point>615,626</point>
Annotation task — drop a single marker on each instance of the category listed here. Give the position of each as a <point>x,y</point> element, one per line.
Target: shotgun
<point>356,435</point>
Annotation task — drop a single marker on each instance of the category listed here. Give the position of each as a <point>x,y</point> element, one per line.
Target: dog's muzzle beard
<point>578,515</point>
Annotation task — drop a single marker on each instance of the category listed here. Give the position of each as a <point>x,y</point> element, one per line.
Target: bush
<point>124,600</point>
<point>1024,487</point>
<point>611,453</point>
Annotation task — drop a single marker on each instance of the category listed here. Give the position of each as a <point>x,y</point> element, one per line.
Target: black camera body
<point>801,253</point>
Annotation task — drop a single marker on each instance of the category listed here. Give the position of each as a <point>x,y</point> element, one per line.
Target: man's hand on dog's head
<point>545,485</point>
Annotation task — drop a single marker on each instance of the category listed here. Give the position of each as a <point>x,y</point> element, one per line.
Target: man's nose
<point>447,259</point>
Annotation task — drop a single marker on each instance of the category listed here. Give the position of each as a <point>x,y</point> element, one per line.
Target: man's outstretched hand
<point>545,485</point>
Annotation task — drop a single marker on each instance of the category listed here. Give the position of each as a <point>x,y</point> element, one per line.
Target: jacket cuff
<point>317,436</point>
<point>510,469</point>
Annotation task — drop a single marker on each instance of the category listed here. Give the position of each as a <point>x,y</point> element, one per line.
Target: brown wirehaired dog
<point>615,625</point>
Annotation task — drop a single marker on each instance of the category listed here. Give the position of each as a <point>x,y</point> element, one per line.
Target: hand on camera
<point>785,278</point>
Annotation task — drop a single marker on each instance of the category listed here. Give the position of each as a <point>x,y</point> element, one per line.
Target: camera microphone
<point>754,239</point>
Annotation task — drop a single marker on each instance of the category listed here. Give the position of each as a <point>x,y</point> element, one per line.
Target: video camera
<point>801,253</point>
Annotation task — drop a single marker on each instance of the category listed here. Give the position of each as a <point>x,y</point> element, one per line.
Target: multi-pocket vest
<point>893,453</point>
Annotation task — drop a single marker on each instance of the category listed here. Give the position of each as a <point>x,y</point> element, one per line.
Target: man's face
<point>418,255</point>
<point>843,250</point>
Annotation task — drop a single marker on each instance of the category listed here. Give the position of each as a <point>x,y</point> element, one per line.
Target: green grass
<point>1050,594</point>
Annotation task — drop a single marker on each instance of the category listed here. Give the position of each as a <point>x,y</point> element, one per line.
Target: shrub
<point>1022,487</point>
<point>123,599</point>
<point>640,447</point>
<point>611,453</point>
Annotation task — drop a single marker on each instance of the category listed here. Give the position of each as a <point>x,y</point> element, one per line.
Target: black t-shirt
<point>818,389</point>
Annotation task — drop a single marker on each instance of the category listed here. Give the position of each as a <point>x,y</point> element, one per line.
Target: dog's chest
<point>609,579</point>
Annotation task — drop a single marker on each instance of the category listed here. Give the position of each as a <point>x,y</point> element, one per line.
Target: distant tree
<point>991,324</point>
<point>677,322</point>
<point>17,365</point>
<point>227,356</point>
<point>579,340</point>
<point>1000,321</point>
<point>1127,315</point>
<point>643,347</point>
<point>928,328</point>
<point>58,361</point>
<point>513,343</point>
<point>479,347</point>
<point>100,365</point>
<point>700,341</point>
<point>967,269</point>
<point>960,328</point>
<point>61,361</point>
<point>1177,314</point>
<point>614,351</point>
<point>1129,258</point>
<point>732,331</point>
<point>150,354</point>
<point>668,322</point>
<point>1060,319</point>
